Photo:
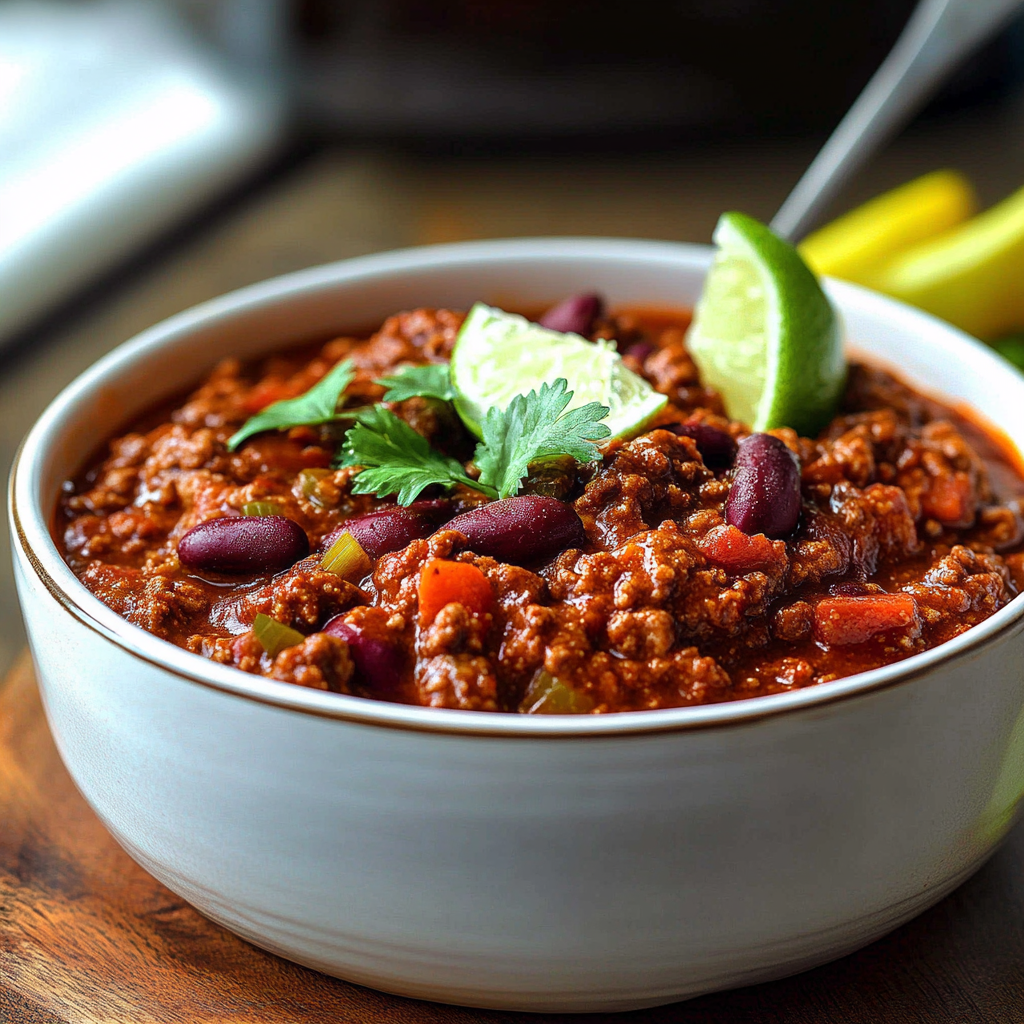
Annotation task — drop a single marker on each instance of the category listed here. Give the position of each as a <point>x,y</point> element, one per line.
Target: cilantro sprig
<point>534,426</point>
<point>395,459</point>
<point>318,405</point>
<point>431,381</point>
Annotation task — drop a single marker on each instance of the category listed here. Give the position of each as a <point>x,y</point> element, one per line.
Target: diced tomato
<point>265,393</point>
<point>443,582</point>
<point>948,499</point>
<point>273,453</point>
<point>839,621</point>
<point>739,552</point>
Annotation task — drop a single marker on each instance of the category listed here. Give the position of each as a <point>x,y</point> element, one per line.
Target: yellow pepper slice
<point>857,244</point>
<point>972,276</point>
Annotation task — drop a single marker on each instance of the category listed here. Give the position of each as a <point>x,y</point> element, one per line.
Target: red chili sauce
<point>910,531</point>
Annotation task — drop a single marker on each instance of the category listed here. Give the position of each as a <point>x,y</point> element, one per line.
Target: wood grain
<point>87,937</point>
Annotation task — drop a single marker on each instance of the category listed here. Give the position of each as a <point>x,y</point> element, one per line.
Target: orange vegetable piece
<point>443,582</point>
<point>265,393</point>
<point>948,499</point>
<point>739,552</point>
<point>852,620</point>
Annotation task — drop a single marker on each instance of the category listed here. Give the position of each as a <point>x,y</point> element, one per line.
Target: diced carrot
<point>948,499</point>
<point>737,551</point>
<point>852,620</point>
<point>443,582</point>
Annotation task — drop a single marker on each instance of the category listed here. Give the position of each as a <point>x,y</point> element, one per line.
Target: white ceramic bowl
<point>591,863</point>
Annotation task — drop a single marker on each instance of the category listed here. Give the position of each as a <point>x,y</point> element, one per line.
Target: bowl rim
<point>35,548</point>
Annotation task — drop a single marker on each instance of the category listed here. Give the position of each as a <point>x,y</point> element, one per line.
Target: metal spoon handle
<point>939,34</point>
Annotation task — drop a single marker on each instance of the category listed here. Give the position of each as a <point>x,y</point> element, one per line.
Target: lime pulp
<point>764,334</point>
<point>499,355</point>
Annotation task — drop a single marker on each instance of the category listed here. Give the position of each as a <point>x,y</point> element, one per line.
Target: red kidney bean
<point>575,315</point>
<point>390,529</point>
<point>378,662</point>
<point>243,544</point>
<point>639,350</point>
<point>716,447</point>
<point>521,530</point>
<point>765,493</point>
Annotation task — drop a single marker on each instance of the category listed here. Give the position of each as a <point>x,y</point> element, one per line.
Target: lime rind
<point>765,335</point>
<point>499,355</point>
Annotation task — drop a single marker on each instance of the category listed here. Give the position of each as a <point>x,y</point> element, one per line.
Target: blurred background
<point>156,154</point>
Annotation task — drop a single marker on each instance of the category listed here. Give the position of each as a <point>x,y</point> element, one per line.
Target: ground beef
<point>159,604</point>
<point>666,604</point>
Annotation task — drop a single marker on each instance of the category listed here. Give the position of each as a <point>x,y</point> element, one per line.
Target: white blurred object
<point>938,37</point>
<point>114,123</point>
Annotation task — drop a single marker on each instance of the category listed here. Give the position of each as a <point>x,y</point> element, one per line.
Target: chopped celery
<point>261,508</point>
<point>547,695</point>
<point>345,557</point>
<point>309,484</point>
<point>273,635</point>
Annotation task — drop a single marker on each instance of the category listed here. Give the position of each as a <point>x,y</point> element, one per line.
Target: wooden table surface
<point>87,937</point>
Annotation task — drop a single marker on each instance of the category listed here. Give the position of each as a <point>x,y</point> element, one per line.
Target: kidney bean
<point>378,662</point>
<point>243,544</point>
<point>575,315</point>
<point>639,350</point>
<point>390,529</point>
<point>521,530</point>
<point>716,447</point>
<point>765,493</point>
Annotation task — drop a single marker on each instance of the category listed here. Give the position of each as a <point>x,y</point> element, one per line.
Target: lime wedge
<point>764,334</point>
<point>499,355</point>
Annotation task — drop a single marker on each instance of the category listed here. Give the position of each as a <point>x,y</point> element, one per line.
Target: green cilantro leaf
<point>536,426</point>
<point>318,405</point>
<point>394,458</point>
<point>431,381</point>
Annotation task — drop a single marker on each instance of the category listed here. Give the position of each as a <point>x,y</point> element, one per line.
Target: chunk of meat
<point>879,523</point>
<point>860,449</point>
<point>960,590</point>
<point>455,629</point>
<point>464,681</point>
<point>425,335</point>
<point>320,662</point>
<point>822,547</point>
<point>656,477</point>
<point>1000,526</point>
<point>160,604</point>
<point>303,597</point>
<point>639,684</point>
<point>942,477</point>
<point>128,536</point>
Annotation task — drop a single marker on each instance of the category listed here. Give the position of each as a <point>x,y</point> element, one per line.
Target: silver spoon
<point>939,34</point>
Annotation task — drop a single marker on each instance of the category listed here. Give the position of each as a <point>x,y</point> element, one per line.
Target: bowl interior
<point>358,294</point>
